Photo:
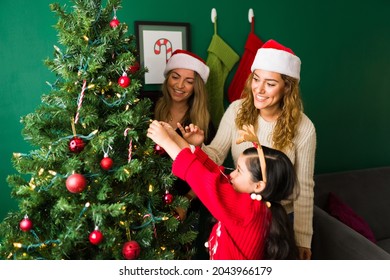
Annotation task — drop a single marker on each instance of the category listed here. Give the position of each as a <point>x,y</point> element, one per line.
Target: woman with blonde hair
<point>184,94</point>
<point>184,101</point>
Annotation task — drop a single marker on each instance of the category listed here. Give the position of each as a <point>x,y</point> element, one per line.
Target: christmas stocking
<point>236,87</point>
<point>221,59</point>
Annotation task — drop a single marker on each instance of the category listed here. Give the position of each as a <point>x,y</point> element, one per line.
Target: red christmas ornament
<point>168,198</point>
<point>96,236</point>
<point>134,68</point>
<point>131,250</point>
<point>76,144</point>
<point>25,224</point>
<point>114,22</point>
<point>106,163</point>
<point>124,81</point>
<point>76,183</point>
<point>159,150</point>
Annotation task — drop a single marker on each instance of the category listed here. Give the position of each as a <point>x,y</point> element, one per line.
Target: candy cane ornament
<point>130,149</point>
<point>80,101</point>
<point>168,47</point>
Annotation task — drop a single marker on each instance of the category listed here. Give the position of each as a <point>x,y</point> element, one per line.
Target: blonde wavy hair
<point>287,123</point>
<point>198,112</point>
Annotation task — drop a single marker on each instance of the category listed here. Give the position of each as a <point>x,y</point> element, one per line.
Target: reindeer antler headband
<point>248,135</point>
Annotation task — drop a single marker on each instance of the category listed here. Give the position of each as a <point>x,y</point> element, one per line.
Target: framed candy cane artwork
<point>156,42</point>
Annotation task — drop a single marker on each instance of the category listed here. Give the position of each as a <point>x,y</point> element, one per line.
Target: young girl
<point>251,222</point>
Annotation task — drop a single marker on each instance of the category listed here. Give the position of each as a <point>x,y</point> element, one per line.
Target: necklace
<point>177,114</point>
<point>170,120</point>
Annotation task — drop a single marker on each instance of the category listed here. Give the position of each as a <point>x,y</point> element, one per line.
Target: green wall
<point>344,47</point>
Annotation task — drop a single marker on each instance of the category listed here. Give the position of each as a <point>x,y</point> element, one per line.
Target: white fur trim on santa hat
<point>187,60</point>
<point>275,60</point>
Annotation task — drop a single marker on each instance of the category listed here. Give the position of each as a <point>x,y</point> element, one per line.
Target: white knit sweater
<point>302,156</point>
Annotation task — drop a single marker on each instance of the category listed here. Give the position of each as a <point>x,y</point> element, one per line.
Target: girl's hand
<point>192,134</point>
<point>158,133</point>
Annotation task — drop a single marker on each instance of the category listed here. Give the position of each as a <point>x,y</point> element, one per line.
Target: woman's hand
<point>192,134</point>
<point>304,253</point>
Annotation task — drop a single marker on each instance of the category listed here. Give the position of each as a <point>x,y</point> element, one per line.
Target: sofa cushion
<point>366,191</point>
<point>333,240</point>
<point>344,213</point>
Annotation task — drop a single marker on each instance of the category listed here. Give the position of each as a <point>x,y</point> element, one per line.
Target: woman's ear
<point>260,186</point>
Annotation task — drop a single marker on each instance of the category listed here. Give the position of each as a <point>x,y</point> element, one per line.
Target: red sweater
<point>242,222</point>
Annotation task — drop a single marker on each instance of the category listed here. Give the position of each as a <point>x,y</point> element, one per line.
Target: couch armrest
<point>333,240</point>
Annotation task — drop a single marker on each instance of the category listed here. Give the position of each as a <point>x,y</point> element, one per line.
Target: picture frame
<point>156,43</point>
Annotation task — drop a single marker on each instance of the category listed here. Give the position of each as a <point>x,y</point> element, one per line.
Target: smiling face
<point>267,90</point>
<point>181,84</point>
<point>242,179</point>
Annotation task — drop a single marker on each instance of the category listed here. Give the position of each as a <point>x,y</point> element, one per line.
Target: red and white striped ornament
<point>130,149</point>
<point>80,101</point>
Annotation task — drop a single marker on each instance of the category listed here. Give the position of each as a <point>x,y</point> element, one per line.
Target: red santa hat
<point>275,57</point>
<point>187,60</point>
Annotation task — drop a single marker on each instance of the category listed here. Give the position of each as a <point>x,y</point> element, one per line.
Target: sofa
<point>345,230</point>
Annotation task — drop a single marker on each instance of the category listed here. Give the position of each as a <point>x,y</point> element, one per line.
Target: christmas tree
<point>94,186</point>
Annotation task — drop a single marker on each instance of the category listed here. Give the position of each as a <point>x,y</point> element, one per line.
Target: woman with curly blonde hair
<point>289,117</point>
<point>271,102</point>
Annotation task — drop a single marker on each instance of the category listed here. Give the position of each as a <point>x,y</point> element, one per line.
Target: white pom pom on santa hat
<point>187,60</point>
<point>274,57</point>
